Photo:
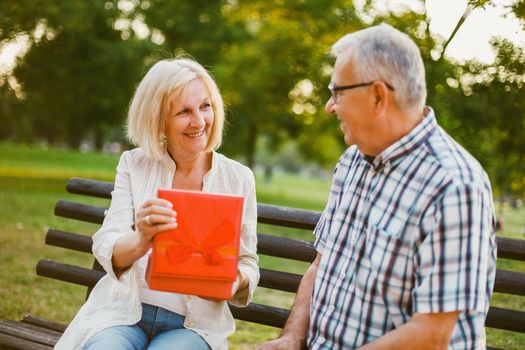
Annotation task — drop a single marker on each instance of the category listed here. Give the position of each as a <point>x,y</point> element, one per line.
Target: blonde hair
<point>383,52</point>
<point>151,104</point>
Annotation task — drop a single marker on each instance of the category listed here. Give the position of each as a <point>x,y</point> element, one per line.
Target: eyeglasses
<point>334,89</point>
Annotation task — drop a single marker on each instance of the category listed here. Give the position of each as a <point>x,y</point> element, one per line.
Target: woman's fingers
<point>157,201</point>
<point>156,209</point>
<point>156,219</point>
<point>156,215</point>
<point>162,227</point>
<point>147,231</point>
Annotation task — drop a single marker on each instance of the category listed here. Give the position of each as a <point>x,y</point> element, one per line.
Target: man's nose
<point>329,107</point>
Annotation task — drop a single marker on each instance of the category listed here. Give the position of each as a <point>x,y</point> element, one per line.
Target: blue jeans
<point>158,329</point>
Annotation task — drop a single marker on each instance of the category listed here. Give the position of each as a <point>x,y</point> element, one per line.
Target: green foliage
<point>270,60</point>
<point>282,45</point>
<point>78,73</point>
<point>489,115</point>
<point>518,8</point>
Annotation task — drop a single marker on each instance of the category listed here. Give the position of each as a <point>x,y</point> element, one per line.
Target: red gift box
<point>200,256</point>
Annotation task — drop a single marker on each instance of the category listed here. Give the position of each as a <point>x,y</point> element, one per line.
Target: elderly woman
<point>176,119</point>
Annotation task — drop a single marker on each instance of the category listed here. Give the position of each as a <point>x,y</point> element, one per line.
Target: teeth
<point>196,134</point>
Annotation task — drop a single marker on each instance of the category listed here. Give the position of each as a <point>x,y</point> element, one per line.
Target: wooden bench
<point>36,333</point>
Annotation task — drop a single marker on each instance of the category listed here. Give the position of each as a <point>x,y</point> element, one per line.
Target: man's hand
<point>285,342</point>
<point>296,327</point>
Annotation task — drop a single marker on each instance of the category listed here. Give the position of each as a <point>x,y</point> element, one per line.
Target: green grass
<point>33,179</point>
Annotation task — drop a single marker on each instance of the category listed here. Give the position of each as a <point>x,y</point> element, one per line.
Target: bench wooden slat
<point>79,211</point>
<point>69,240</point>
<point>281,247</point>
<point>68,273</point>
<point>47,334</point>
<point>29,332</point>
<point>278,280</point>
<point>43,323</point>
<point>283,281</point>
<point>506,319</point>
<point>511,248</point>
<point>89,187</point>
<point>263,314</point>
<point>287,248</point>
<point>268,214</point>
<point>510,282</point>
<point>287,217</point>
<point>9,342</point>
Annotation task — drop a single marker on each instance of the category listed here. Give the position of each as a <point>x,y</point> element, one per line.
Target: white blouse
<point>117,301</point>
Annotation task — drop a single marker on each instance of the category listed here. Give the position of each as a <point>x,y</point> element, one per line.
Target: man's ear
<point>381,97</point>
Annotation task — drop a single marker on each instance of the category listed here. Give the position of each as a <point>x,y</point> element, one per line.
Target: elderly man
<point>406,244</point>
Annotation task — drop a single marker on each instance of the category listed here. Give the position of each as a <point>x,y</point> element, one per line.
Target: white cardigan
<point>116,301</point>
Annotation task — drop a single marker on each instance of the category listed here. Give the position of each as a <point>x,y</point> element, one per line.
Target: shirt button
<point>331,308</point>
<point>322,340</point>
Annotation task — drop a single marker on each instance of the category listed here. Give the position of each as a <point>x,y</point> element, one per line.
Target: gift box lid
<point>205,243</point>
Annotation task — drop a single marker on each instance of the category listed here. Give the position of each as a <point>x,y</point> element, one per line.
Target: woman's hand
<point>241,282</point>
<point>156,215</point>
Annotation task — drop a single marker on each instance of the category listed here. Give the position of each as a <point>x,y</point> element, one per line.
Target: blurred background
<point>68,69</point>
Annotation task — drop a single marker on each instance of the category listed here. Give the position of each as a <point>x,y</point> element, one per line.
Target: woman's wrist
<point>243,281</point>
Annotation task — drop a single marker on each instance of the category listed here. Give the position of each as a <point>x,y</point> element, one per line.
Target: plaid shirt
<point>411,231</point>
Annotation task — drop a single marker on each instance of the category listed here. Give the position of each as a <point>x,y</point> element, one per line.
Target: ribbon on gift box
<point>208,248</point>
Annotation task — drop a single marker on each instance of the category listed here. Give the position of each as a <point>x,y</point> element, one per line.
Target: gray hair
<point>384,53</point>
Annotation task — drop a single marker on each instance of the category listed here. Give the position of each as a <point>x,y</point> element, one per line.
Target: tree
<point>260,54</point>
<point>480,105</point>
<point>78,74</point>
<point>496,109</point>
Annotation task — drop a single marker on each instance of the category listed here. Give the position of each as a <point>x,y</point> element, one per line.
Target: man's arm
<point>294,332</point>
<point>423,331</point>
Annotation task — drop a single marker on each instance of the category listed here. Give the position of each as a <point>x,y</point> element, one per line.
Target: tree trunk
<point>99,138</point>
<point>250,146</point>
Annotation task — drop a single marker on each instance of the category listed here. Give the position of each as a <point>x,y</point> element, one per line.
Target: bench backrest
<point>509,282</point>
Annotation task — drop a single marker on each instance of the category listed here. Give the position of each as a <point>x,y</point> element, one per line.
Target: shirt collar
<point>409,142</point>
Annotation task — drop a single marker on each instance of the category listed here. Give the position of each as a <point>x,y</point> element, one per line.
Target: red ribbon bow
<point>186,246</point>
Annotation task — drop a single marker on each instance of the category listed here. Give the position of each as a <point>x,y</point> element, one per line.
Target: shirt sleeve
<point>118,221</point>
<point>455,262</point>
<point>248,259</point>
